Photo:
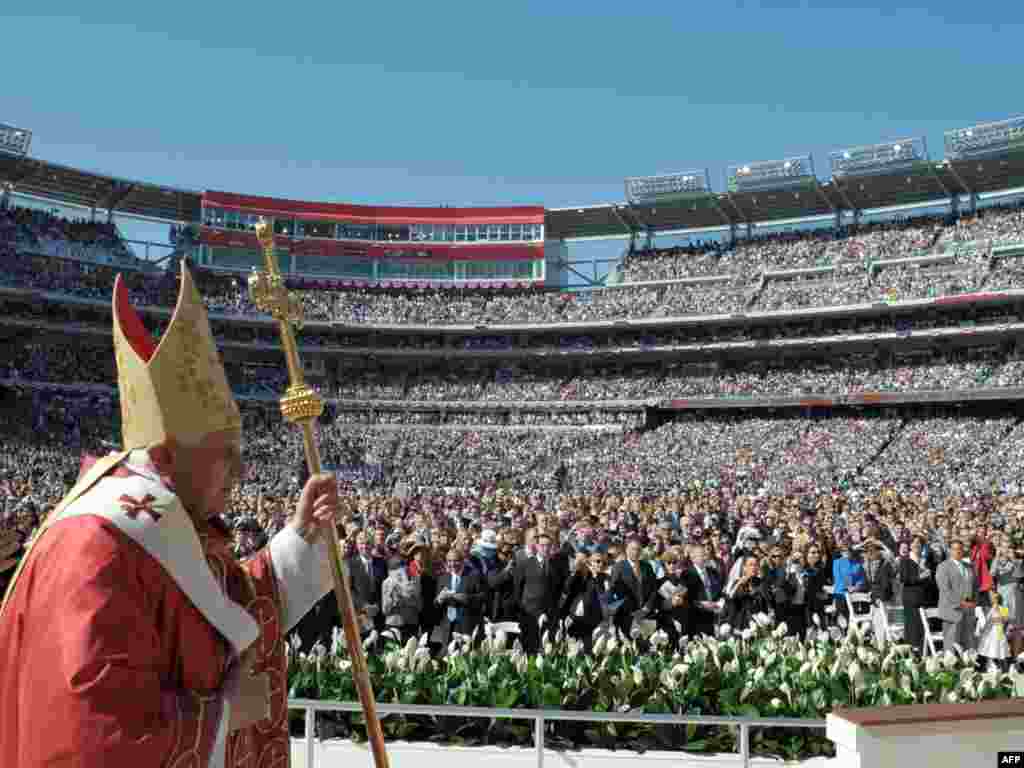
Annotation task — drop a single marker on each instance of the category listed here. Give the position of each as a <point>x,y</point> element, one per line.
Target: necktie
<point>453,612</point>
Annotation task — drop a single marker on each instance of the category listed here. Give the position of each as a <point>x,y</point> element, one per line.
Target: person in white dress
<point>1006,570</point>
<point>992,644</point>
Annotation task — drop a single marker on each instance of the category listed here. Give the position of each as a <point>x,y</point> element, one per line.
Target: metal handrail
<point>540,716</point>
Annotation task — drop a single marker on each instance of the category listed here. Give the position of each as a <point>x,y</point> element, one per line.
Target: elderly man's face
<point>205,474</point>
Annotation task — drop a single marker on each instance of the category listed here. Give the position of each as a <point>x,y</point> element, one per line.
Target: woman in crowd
<point>797,610</point>
<point>746,596</point>
<point>817,576</point>
<point>918,581</point>
<point>586,597</point>
<point>673,614</point>
<point>402,598</point>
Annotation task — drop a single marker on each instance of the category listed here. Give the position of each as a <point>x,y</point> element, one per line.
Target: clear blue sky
<point>485,102</point>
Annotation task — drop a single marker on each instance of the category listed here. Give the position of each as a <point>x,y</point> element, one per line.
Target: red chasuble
<point>109,659</point>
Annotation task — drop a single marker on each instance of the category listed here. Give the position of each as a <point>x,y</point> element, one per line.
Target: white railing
<point>540,717</point>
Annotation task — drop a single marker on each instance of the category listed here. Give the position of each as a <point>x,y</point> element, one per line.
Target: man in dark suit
<point>704,586</point>
<point>366,577</point>
<point>538,588</point>
<point>460,594</point>
<point>634,582</point>
<point>879,575</point>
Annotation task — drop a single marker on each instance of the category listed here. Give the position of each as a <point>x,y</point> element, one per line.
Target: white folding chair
<point>888,622</point>
<point>508,627</point>
<point>931,636</point>
<point>859,606</point>
<point>896,623</point>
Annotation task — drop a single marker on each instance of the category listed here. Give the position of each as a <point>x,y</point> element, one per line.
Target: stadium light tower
<point>14,141</point>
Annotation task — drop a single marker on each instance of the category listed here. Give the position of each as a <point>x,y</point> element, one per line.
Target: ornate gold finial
<point>264,232</point>
<point>267,289</point>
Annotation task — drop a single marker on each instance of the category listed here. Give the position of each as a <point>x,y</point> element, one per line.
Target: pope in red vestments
<point>130,636</point>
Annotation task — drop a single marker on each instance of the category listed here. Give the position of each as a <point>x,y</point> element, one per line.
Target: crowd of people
<point>535,518</point>
<point>49,359</point>
<point>703,521</point>
<point>848,253</point>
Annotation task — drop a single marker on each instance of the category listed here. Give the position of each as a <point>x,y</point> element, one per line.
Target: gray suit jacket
<point>953,588</point>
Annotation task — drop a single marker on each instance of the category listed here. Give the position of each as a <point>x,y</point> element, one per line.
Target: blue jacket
<point>844,570</point>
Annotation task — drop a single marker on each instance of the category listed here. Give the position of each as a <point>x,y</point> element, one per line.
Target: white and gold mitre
<point>177,387</point>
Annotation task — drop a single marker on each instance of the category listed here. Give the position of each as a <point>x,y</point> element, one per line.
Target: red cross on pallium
<point>133,506</point>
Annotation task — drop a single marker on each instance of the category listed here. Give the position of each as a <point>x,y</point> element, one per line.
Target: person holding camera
<point>746,596</point>
<point>807,581</point>
<point>586,597</point>
<point>780,580</point>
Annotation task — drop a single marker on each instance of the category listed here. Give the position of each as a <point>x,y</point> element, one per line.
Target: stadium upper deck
<point>981,159</point>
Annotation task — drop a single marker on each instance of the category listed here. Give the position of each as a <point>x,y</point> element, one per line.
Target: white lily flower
<point>952,698</point>
<point>762,619</point>
<point>776,703</point>
<point>725,630</point>
<point>667,679</point>
<point>857,677</point>
<point>747,634</point>
<point>679,671</point>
